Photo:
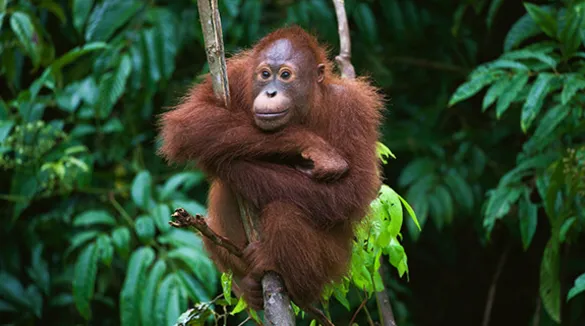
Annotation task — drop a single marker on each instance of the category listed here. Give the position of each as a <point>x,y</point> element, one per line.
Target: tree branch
<point>344,58</point>
<point>277,309</point>
<point>183,220</point>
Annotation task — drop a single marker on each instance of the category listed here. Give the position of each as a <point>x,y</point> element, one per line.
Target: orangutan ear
<point>320,72</point>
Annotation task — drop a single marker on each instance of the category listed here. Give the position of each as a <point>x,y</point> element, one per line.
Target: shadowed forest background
<point>484,114</point>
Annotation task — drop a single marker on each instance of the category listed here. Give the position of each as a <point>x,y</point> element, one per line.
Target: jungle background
<point>484,114</point>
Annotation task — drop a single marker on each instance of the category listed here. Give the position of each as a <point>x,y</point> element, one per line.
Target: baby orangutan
<point>299,144</point>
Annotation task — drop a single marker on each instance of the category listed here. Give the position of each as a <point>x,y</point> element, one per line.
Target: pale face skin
<point>282,82</point>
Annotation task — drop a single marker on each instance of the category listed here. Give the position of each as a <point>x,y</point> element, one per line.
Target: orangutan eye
<point>285,75</point>
<point>265,74</point>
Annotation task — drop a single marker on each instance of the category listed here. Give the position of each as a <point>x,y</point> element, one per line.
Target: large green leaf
<point>194,289</point>
<point>461,190</point>
<point>145,228</point>
<point>550,285</point>
<point>184,179</point>
<point>81,9</point>
<point>5,128</point>
<point>77,52</point>
<point>415,170</point>
<point>198,263</point>
<point>105,249</point>
<point>516,85</point>
<point>24,29</point>
<point>162,215</point>
<point>473,86</point>
<point>11,289</point>
<point>142,190</point>
<point>133,287</point>
<point>111,87</point>
<point>166,306</point>
<point>527,216</point>
<point>495,91</point>
<point>84,279</point>
<point>572,84</point>
<point>544,18</point>
<point>526,54</point>
<point>108,16</point>
<point>535,99</point>
<point>147,311</point>
<point>523,29</point>
<point>121,239</point>
<point>93,217</point>
<point>570,35</point>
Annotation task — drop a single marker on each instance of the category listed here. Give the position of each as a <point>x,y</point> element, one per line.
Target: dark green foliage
<point>485,115</point>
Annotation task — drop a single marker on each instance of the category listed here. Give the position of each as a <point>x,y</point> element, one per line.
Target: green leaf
<point>108,16</point>
<point>531,54</point>
<point>111,87</point>
<point>473,86</point>
<point>94,217</point>
<point>166,307</point>
<point>24,29</point>
<point>194,289</point>
<point>495,91</point>
<point>460,189</point>
<point>84,279</point>
<point>198,262</point>
<point>145,229</point>
<point>147,311</point>
<point>121,239</point>
<point>81,9</point>
<point>523,29</point>
<point>410,211</point>
<point>499,203</point>
<point>392,203</point>
<point>570,35</point>
<point>5,128</point>
<point>437,210</point>
<point>565,228</point>
<point>493,9</point>
<point>543,18</point>
<point>550,286</point>
<point>133,287</point>
<point>572,84</point>
<point>505,64</point>
<point>162,215</point>
<point>77,52</point>
<point>535,99</point>
<point>578,287</point>
<point>185,179</point>
<point>142,190</point>
<point>516,85</point>
<point>11,289</point>
<point>365,21</point>
<point>398,257</point>
<point>239,307</point>
<point>528,218</point>
<point>226,285</point>
<point>105,249</point>
<point>415,170</point>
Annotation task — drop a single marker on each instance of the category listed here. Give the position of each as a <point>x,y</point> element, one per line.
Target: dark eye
<point>285,75</point>
<point>265,74</point>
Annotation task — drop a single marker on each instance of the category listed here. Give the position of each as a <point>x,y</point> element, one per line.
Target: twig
<point>245,321</point>
<point>492,292</point>
<point>318,315</point>
<point>183,219</point>
<point>358,310</point>
<point>279,305</point>
<point>383,301</point>
<point>344,58</point>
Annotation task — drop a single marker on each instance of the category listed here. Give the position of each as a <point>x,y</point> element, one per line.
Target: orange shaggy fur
<point>306,225</point>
